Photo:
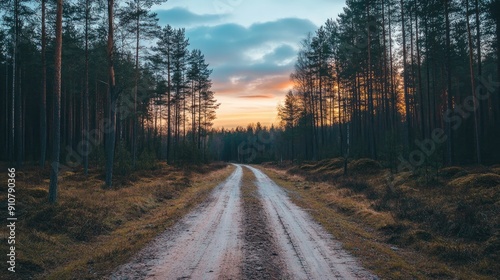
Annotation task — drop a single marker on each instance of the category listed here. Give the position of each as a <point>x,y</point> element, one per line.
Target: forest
<point>81,89</point>
<point>409,83</point>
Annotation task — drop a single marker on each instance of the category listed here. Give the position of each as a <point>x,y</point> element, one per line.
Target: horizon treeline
<point>161,98</point>
<point>391,80</point>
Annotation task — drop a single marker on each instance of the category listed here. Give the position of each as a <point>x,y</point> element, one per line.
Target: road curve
<point>306,249</point>
<point>206,244</point>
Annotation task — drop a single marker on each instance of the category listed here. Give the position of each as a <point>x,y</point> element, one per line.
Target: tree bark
<point>473,85</point>
<point>13,97</point>
<point>497,21</point>
<point>419,74</point>
<point>449,105</point>
<point>371,131</point>
<point>43,98</point>
<point>405,79</point>
<point>57,106</point>
<point>86,110</point>
<point>169,109</point>
<point>483,105</point>
<point>136,88</point>
<point>110,127</point>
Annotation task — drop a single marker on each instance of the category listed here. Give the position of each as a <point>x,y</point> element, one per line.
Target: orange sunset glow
<point>244,109</point>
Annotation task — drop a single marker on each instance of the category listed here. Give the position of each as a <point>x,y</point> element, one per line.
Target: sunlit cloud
<point>256,96</point>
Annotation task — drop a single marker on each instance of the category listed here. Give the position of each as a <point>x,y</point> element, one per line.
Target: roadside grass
<point>90,231</point>
<point>400,227</point>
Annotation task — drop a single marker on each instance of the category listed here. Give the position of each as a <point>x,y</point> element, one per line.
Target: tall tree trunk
<point>339,99</point>
<point>394,118</point>
<point>428,73</point>
<point>43,98</point>
<point>110,98</point>
<point>405,79</point>
<point>199,121</point>
<point>134,135</point>
<point>321,109</point>
<point>19,122</point>
<point>473,85</point>
<point>384,65</point>
<point>184,119</point>
<point>483,105</point>
<point>57,107</point>
<point>7,134</point>
<point>169,110</point>
<point>497,29</point>
<point>449,105</point>
<point>419,74</point>
<point>86,110</point>
<point>14,69</point>
<point>193,113</point>
<point>371,131</point>
<point>160,154</point>
<point>69,113</point>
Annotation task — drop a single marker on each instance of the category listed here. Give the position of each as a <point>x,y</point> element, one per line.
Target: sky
<point>251,47</point>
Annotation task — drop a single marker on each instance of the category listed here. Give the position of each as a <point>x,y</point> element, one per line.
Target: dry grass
<point>90,230</point>
<point>400,228</point>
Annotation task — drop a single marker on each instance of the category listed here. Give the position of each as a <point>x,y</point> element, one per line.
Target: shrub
<point>364,165</point>
<point>97,156</point>
<point>452,172</point>
<point>37,192</point>
<point>476,180</point>
<point>459,253</point>
<point>163,192</point>
<point>71,218</point>
<point>470,222</point>
<point>123,160</point>
<point>147,160</point>
<point>356,186</point>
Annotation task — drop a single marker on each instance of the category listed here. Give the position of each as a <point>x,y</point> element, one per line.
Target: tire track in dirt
<point>306,249</point>
<point>205,244</point>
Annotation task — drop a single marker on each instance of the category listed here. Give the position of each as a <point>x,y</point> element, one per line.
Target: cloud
<point>224,42</point>
<point>250,60</point>
<point>256,96</point>
<point>281,55</point>
<point>181,17</point>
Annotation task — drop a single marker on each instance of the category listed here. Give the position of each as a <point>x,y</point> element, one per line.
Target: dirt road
<point>306,249</point>
<point>212,241</point>
<point>206,244</point>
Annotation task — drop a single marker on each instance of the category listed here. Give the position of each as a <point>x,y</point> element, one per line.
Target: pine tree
<point>289,114</point>
<point>57,106</point>
<point>110,99</point>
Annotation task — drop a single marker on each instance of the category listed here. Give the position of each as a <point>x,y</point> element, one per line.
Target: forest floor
<point>434,225</point>
<point>90,230</point>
